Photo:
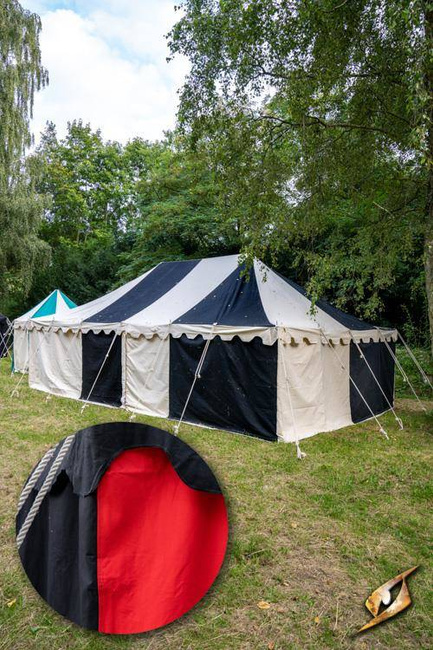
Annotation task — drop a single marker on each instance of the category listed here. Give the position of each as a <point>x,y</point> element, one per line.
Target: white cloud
<point>107,65</point>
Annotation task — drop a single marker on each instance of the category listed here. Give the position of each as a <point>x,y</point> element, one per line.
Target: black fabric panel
<point>238,386</point>
<point>382,365</point>
<point>108,388</point>
<point>236,301</point>
<point>59,552</point>
<point>351,322</point>
<point>94,448</point>
<point>160,280</point>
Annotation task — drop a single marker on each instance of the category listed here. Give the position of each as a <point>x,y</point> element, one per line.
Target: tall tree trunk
<point>429,274</point>
<point>428,248</point>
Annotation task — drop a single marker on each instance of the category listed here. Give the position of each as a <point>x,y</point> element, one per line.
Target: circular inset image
<point>122,528</point>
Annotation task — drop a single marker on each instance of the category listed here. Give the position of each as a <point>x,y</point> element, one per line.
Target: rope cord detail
<point>46,486</point>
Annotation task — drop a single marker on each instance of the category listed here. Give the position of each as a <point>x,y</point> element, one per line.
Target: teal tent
<point>56,304</point>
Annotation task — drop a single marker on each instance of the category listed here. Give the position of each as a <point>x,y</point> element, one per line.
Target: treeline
<point>113,211</point>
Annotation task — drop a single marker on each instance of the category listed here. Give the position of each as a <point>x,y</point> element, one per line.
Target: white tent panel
<point>316,395</point>
<point>300,403</point>
<point>21,350</point>
<point>146,375</point>
<point>336,385</point>
<point>56,362</point>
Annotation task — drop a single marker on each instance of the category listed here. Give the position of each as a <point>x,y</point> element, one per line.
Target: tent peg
<point>300,454</point>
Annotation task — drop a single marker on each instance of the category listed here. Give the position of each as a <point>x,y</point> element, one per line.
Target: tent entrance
<point>237,389</point>
<point>108,386</point>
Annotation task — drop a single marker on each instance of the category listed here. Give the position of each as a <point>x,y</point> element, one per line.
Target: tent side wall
<point>146,375</point>
<point>287,391</point>
<point>237,387</point>
<point>55,362</point>
<point>21,350</point>
<point>313,389</point>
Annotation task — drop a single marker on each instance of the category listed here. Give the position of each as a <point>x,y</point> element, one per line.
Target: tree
<point>175,195</point>
<point>325,112</point>
<point>90,183</point>
<point>21,75</point>
<point>90,212</point>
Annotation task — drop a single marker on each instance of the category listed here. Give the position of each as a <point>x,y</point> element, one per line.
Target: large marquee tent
<point>55,305</point>
<point>207,342</point>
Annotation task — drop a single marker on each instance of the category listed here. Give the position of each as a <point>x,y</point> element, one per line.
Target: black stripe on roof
<point>236,301</point>
<point>158,282</point>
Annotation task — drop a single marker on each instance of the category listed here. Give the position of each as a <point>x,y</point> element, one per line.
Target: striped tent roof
<point>214,296</point>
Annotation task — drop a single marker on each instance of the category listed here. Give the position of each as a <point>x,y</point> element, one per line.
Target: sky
<point>107,65</point>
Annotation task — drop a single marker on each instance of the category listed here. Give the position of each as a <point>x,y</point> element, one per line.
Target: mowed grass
<point>312,538</point>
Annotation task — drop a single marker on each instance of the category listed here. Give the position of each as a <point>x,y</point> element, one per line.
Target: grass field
<point>311,538</point>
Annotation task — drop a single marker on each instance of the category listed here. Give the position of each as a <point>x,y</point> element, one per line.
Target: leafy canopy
<point>21,75</point>
<point>316,117</point>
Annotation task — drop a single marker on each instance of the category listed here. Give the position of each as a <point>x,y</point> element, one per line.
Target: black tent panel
<point>158,282</point>
<point>108,388</point>
<point>237,389</point>
<point>59,552</point>
<point>382,365</point>
<point>236,301</point>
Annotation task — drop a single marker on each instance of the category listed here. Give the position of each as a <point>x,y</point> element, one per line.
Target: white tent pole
<point>400,367</point>
<point>416,362</point>
<point>363,357</point>
<point>31,357</point>
<point>196,376</point>
<point>300,454</point>
<point>46,486</point>
<point>343,367</point>
<point>99,372</point>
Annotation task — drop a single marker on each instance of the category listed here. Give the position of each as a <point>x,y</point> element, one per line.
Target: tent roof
<point>214,296</point>
<point>55,304</point>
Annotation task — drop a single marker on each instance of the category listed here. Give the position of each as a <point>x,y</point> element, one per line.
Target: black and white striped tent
<point>204,342</point>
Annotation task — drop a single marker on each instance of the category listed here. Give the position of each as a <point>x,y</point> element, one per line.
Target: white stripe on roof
<point>196,285</point>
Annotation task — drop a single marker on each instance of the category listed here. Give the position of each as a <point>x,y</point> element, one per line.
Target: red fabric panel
<point>160,544</point>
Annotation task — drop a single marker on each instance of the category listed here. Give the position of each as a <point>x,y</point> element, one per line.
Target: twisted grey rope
<point>34,477</point>
<point>44,490</point>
